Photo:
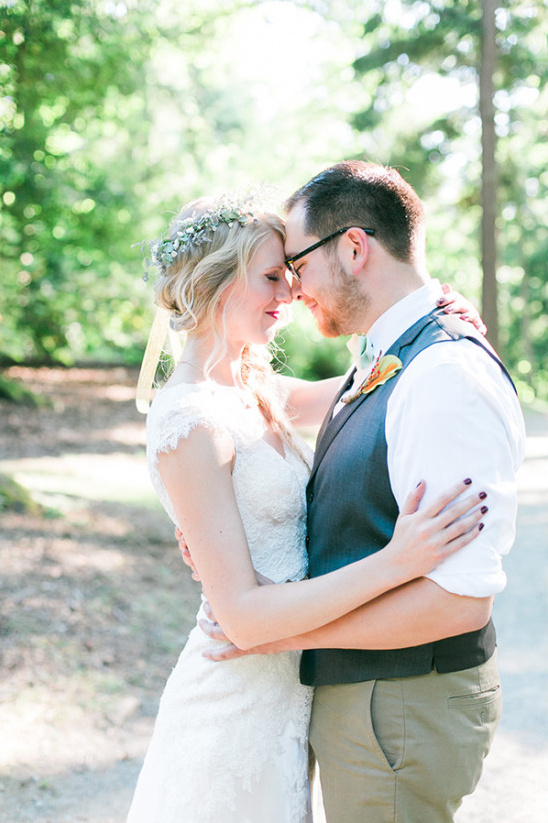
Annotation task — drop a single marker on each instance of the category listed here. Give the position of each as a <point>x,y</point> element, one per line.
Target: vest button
<point>310,497</point>
<point>307,541</point>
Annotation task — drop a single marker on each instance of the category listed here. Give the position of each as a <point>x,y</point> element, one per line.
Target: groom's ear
<point>354,249</point>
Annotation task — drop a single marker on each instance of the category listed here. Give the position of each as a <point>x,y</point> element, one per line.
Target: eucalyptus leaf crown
<point>195,230</point>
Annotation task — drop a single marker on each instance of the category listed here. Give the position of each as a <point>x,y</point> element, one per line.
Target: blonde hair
<point>191,287</point>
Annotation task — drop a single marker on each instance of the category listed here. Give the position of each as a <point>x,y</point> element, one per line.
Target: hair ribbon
<point>155,345</point>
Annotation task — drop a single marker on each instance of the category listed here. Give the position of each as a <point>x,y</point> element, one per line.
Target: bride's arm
<point>197,476</point>
<point>418,612</point>
<point>309,400</point>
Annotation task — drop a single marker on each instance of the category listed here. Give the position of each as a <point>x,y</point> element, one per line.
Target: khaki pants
<point>404,750</point>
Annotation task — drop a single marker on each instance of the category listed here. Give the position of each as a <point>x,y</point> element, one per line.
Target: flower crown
<point>194,231</point>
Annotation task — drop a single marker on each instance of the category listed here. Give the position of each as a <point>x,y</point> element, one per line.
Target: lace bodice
<point>269,488</point>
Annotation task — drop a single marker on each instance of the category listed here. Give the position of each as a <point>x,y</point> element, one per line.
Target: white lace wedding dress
<point>230,740</point>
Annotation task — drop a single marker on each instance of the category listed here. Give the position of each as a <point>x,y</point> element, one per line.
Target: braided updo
<point>191,286</point>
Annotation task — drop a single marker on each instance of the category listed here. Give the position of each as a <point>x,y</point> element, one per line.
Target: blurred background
<point>116,113</point>
<point>112,115</point>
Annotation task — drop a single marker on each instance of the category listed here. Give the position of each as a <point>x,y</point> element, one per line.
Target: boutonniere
<point>385,368</point>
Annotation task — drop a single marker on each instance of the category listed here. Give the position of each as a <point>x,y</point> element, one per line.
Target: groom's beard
<point>347,306</point>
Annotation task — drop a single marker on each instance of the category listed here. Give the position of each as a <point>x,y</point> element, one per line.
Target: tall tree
<point>489,189</point>
<point>446,83</point>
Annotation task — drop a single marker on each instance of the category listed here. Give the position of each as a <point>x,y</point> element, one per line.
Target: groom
<point>407,692</point>
<point>400,730</point>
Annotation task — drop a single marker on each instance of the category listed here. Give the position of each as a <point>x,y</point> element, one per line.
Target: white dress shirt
<point>453,415</point>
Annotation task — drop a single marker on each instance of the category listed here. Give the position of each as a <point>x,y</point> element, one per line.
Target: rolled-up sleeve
<point>453,415</point>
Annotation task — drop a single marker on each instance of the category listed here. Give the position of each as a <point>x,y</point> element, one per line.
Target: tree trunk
<point>489,174</point>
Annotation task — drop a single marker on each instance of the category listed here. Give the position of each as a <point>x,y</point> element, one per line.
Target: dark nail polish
<point>481,526</point>
<point>484,509</point>
<point>482,495</point>
<point>467,481</point>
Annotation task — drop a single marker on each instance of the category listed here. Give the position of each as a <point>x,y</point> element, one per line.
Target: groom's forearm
<point>419,612</point>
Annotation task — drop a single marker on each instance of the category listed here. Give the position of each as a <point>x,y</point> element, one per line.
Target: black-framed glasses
<point>291,260</point>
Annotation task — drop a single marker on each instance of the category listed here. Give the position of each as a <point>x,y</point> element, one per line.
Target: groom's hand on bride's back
<point>229,651</point>
<point>185,553</point>
<point>210,627</point>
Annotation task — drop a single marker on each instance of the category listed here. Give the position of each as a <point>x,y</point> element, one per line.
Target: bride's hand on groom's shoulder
<point>453,302</point>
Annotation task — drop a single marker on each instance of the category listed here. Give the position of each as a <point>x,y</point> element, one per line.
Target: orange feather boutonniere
<point>385,368</point>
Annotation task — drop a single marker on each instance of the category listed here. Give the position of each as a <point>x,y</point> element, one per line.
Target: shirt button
<point>307,541</point>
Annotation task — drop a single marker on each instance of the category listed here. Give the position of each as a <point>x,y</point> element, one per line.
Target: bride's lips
<point>274,314</point>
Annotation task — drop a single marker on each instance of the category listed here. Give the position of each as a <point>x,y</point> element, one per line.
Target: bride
<point>230,740</point>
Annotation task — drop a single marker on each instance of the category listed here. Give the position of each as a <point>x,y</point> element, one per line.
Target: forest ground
<point>97,603</point>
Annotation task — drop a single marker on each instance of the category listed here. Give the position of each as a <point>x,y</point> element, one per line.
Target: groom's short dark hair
<point>355,193</point>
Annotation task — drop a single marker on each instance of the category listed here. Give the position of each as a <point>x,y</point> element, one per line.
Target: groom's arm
<point>309,400</point>
<point>416,613</point>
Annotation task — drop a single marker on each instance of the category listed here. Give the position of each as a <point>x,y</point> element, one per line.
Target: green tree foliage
<point>72,128</point>
<point>404,45</point>
<point>113,113</point>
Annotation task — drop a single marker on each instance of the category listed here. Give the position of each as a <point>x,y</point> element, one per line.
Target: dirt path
<point>97,604</point>
<point>96,601</point>
<point>514,788</point>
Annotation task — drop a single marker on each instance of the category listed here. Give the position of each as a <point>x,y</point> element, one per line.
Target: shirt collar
<point>401,316</point>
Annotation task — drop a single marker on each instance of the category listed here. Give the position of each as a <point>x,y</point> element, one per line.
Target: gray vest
<point>352,513</point>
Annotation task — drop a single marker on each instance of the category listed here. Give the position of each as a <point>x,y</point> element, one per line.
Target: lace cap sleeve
<point>175,412</point>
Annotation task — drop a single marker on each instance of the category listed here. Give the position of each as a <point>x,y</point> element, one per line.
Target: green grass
<point>58,481</point>
<point>16,497</point>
